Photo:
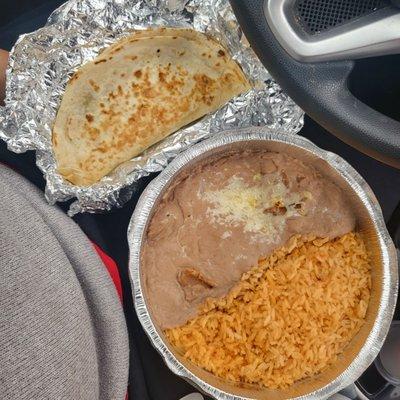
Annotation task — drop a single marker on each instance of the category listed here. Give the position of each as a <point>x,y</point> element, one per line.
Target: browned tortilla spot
<point>94,85</point>
<point>117,49</point>
<point>74,77</point>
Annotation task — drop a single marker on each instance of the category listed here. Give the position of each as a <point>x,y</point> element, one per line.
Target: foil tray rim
<point>138,222</point>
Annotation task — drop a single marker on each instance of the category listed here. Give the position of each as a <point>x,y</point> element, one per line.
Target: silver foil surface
<point>370,224</point>
<point>42,62</point>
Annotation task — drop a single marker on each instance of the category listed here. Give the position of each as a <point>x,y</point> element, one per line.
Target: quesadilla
<point>137,92</point>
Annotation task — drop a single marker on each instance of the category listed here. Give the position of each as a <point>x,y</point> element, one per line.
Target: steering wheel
<point>309,47</point>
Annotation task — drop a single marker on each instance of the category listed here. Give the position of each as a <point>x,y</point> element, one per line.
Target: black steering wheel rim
<point>321,89</point>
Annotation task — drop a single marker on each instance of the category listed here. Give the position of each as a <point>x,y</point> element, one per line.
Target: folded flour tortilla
<point>135,93</point>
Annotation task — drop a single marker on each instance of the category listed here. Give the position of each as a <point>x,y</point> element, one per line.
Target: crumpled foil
<point>42,62</point>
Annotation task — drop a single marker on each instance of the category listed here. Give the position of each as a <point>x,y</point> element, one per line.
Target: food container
<point>363,348</point>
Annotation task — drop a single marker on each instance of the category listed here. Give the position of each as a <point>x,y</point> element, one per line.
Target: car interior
<point>339,61</point>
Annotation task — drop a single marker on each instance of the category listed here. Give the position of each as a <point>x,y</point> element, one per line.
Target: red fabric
<point>111,268</point>
<point>114,273</point>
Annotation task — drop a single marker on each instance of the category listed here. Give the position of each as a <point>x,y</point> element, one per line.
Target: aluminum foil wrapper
<point>370,223</point>
<point>42,62</point>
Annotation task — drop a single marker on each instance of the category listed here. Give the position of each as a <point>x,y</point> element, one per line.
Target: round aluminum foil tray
<point>365,346</point>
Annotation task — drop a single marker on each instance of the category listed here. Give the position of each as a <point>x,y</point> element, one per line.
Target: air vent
<point>322,15</point>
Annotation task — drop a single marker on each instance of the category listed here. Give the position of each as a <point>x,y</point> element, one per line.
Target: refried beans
<point>218,220</point>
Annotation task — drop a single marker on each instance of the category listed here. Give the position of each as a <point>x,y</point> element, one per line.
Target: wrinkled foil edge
<point>390,279</point>
<point>41,63</point>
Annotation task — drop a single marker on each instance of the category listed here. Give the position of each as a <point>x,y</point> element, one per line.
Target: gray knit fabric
<point>62,327</point>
